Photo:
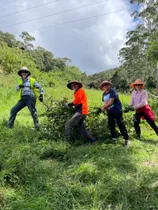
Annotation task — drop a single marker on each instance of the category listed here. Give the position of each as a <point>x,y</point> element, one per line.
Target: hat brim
<point>69,85</point>
<point>103,84</point>
<point>19,72</point>
<point>134,84</point>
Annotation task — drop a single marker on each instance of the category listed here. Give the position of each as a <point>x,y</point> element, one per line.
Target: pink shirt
<point>139,98</point>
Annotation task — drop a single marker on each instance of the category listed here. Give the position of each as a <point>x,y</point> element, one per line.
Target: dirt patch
<point>153,163</point>
<point>1,70</point>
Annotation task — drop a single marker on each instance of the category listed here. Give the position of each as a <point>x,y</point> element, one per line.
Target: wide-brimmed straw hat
<point>74,82</point>
<point>24,68</point>
<point>137,82</point>
<point>104,83</point>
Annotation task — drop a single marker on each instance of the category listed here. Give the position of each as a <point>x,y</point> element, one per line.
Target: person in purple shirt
<point>113,106</point>
<point>140,104</point>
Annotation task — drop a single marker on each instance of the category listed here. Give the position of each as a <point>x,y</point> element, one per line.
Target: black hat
<point>74,82</point>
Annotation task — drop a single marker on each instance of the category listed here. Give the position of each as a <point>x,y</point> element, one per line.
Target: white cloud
<point>91,44</point>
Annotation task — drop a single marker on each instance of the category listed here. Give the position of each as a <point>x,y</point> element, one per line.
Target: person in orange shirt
<point>81,112</point>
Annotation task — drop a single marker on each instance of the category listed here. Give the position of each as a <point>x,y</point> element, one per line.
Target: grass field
<point>40,171</point>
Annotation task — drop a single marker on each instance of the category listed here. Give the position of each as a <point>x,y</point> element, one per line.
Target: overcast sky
<point>92,44</point>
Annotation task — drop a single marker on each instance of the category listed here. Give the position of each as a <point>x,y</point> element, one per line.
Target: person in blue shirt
<point>113,106</point>
<point>29,91</point>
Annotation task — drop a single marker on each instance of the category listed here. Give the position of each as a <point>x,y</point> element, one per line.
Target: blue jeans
<point>28,101</point>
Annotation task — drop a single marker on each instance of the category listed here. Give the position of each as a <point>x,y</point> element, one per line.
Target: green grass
<point>40,171</point>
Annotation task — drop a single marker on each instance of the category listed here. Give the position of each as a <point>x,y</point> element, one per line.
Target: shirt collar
<point>27,79</point>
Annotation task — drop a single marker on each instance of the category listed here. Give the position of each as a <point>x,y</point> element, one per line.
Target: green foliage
<point>152,51</point>
<point>27,38</point>
<point>13,59</point>
<point>8,38</point>
<point>44,59</point>
<point>93,81</point>
<point>139,56</point>
<point>39,170</point>
<point>15,54</point>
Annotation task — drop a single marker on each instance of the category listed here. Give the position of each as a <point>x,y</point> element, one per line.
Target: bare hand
<point>102,108</point>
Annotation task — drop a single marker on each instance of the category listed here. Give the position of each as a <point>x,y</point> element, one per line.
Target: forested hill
<point>52,71</point>
<point>139,57</point>
<point>94,80</point>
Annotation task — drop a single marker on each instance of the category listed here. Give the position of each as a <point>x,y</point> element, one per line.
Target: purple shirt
<point>139,98</point>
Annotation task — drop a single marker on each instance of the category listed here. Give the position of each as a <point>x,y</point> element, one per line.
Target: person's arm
<point>68,105</point>
<point>132,101</point>
<point>17,87</point>
<point>77,99</point>
<point>108,104</point>
<point>113,96</point>
<point>39,87</point>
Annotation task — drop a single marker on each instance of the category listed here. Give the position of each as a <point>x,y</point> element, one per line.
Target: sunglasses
<point>106,84</point>
<point>138,85</point>
<point>24,72</point>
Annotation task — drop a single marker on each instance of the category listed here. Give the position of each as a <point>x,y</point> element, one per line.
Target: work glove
<point>66,106</point>
<point>21,86</point>
<point>41,98</point>
<point>128,109</point>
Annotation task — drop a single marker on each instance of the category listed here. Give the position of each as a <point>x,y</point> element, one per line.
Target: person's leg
<point>20,105</point>
<point>151,123</point>
<point>83,130</point>
<point>121,125</point>
<point>136,120</point>
<point>111,123</point>
<point>70,124</point>
<point>31,104</point>
<point>122,128</point>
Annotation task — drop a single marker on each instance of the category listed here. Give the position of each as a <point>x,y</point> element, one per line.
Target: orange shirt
<point>80,101</point>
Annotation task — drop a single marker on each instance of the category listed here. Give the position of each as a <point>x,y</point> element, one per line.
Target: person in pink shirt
<point>140,104</point>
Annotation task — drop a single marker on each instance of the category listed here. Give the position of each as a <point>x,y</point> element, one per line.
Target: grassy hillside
<point>40,171</point>
<point>42,63</point>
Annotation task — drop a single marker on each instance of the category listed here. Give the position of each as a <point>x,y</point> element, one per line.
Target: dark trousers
<point>28,101</point>
<point>77,120</point>
<point>114,118</point>
<point>137,117</point>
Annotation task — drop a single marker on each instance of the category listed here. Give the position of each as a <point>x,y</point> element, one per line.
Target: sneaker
<point>9,126</point>
<point>93,141</point>
<point>69,139</point>
<point>127,143</point>
<point>114,140</point>
<point>37,127</point>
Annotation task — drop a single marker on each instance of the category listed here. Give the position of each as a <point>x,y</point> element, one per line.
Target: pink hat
<point>137,82</point>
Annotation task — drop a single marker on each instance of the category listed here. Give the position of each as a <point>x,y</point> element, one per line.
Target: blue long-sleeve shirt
<point>27,87</point>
